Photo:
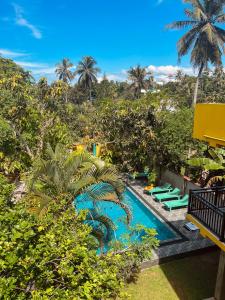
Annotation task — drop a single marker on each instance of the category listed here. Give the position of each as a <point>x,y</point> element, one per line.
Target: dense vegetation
<point>48,248</point>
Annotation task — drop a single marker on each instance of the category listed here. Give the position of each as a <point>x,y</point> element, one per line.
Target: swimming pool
<point>140,215</point>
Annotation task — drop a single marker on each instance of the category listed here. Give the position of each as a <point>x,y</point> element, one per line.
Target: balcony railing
<point>208,207</point>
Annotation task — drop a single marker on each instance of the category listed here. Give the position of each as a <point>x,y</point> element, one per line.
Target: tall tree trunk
<point>197,85</point>
<point>89,91</point>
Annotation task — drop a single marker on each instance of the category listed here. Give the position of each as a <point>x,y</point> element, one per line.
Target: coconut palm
<point>205,39</point>
<point>87,72</point>
<point>77,178</point>
<point>43,87</point>
<point>63,70</point>
<point>138,77</point>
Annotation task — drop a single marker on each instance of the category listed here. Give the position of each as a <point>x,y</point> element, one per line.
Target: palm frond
<point>87,71</point>
<point>63,70</point>
<point>215,179</point>
<point>102,222</point>
<point>38,203</point>
<point>104,192</point>
<point>190,14</point>
<point>99,235</point>
<point>78,177</point>
<point>221,33</point>
<point>181,24</point>
<point>199,9</point>
<point>220,18</point>
<point>187,41</point>
<point>205,39</point>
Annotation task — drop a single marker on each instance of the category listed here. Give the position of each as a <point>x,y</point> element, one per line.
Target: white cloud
<point>21,21</point>
<point>30,64</point>
<point>120,76</point>
<point>161,73</point>
<point>44,71</point>
<point>169,70</point>
<point>38,70</point>
<point>9,53</point>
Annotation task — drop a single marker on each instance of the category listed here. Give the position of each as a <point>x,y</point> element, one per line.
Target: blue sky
<point>118,33</point>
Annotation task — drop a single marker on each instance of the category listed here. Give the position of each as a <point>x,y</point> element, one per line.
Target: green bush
<point>52,258</point>
<point>6,188</point>
<point>56,257</point>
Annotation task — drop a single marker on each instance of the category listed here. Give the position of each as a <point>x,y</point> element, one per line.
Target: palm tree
<point>63,70</point>
<point>205,39</point>
<point>87,72</point>
<point>77,178</point>
<point>138,76</point>
<point>43,87</point>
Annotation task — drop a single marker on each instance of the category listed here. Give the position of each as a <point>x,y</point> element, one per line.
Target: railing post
<point>222,237</point>
<point>216,198</point>
<point>189,201</point>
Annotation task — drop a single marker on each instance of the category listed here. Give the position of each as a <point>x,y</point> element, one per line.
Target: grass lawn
<point>191,278</point>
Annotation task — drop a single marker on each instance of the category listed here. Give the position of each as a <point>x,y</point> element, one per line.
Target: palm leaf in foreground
<point>70,176</point>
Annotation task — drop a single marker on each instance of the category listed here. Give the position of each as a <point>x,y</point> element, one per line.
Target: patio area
<point>185,243</point>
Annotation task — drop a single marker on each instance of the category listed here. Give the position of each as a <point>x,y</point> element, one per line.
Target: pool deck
<point>185,243</point>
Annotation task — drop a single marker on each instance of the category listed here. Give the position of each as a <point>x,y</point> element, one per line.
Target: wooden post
<point>220,282</point>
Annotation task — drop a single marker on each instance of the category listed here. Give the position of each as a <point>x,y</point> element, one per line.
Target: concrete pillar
<point>220,282</point>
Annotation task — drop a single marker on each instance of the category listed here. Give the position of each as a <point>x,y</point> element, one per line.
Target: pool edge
<point>157,213</point>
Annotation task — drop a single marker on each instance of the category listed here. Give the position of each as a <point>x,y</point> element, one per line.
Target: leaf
<point>205,163</point>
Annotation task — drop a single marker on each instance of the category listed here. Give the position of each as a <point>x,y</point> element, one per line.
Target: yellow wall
<point>98,150</point>
<point>209,123</point>
<point>209,126</point>
<point>79,147</point>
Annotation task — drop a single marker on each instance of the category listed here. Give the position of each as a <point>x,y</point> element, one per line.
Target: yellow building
<point>209,124</point>
<point>206,207</point>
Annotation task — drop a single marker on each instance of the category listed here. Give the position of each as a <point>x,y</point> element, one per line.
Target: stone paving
<point>185,241</point>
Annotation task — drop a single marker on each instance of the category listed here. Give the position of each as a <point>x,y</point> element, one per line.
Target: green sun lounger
<point>183,202</point>
<point>175,194</point>
<point>160,189</point>
<point>138,175</point>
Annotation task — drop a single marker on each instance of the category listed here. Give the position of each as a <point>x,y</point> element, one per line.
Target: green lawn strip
<point>191,278</point>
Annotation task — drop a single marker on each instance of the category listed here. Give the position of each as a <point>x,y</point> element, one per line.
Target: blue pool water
<point>140,215</point>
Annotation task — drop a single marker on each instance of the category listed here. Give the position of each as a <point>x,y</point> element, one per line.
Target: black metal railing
<point>208,207</point>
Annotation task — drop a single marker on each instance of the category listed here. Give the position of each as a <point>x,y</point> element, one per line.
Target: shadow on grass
<point>193,278</point>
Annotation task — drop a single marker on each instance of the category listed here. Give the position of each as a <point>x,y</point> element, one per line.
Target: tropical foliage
<point>77,175</point>
<point>48,245</point>
<point>56,256</point>
<point>211,167</point>
<point>51,258</point>
<point>141,80</point>
<point>87,72</point>
<point>175,142</point>
<point>63,70</point>
<point>205,38</point>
